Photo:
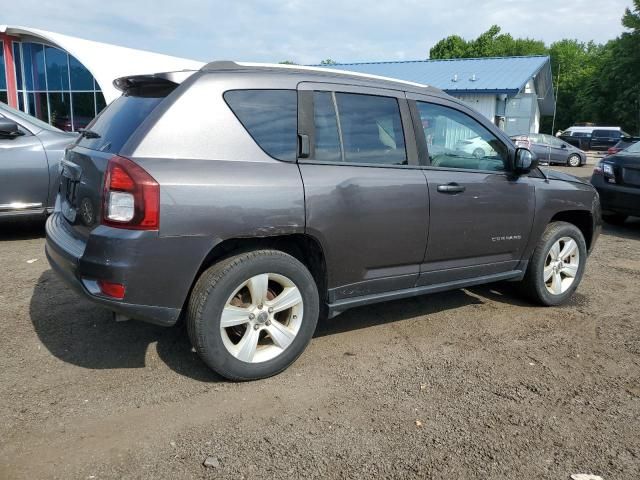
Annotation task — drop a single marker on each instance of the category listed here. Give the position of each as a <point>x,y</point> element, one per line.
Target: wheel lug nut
<point>260,307</point>
<point>267,323</point>
<point>251,316</point>
<point>256,326</point>
<point>270,309</point>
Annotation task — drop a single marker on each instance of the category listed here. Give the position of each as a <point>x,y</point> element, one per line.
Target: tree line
<point>596,83</point>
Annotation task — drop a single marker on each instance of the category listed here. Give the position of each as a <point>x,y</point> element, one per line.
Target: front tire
<point>250,316</point>
<point>557,265</point>
<point>574,161</point>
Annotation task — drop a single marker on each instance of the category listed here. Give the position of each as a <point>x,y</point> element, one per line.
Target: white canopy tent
<point>105,61</point>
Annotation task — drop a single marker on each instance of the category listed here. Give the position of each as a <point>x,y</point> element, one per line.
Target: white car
<point>476,146</point>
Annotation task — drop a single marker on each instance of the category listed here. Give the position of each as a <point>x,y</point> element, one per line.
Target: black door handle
<point>451,188</point>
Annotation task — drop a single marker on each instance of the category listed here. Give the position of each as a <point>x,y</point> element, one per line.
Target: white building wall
<point>485,104</point>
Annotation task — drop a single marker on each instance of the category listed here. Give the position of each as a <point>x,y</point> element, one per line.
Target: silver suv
<point>249,200</point>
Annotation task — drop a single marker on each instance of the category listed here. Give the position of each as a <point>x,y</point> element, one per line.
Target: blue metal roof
<point>468,75</point>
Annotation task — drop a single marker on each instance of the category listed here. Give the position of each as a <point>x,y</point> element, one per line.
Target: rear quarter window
<point>270,117</point>
<point>117,122</point>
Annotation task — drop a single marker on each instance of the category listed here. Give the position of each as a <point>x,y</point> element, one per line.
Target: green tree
<point>328,61</point>
<point>287,62</point>
<point>573,64</point>
<point>491,43</point>
<point>453,46</point>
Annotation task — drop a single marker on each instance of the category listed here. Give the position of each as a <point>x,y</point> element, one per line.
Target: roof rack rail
<point>228,65</point>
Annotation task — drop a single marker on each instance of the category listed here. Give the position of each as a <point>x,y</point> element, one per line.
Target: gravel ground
<point>470,384</point>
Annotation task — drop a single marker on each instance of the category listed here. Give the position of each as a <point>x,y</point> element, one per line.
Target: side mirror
<point>563,146</point>
<point>9,128</point>
<point>524,161</point>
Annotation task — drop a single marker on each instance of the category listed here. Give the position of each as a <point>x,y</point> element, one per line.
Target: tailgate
<point>81,183</point>
<point>84,165</point>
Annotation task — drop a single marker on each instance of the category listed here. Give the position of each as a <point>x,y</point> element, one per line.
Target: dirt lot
<point>471,384</point>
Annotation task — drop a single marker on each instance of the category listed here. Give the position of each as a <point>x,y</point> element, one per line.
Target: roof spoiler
<point>155,82</point>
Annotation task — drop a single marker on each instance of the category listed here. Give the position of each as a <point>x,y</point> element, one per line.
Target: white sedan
<point>476,146</point>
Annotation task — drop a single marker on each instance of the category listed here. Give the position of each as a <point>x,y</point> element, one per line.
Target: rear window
<point>606,133</point>
<point>270,117</point>
<point>118,121</point>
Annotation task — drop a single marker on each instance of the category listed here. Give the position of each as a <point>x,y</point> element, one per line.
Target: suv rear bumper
<point>116,260</point>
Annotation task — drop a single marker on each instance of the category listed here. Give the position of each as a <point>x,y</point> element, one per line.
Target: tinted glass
<point>326,128</point>
<point>60,107</point>
<point>270,117</point>
<point>38,105</point>
<point>554,142</point>
<point>456,140</point>
<point>371,129</point>
<point>100,102</point>
<point>17,59</point>
<point>118,122</point>
<point>3,97</point>
<point>635,148</point>
<point>3,76</point>
<point>57,69</point>
<point>81,79</point>
<point>34,69</point>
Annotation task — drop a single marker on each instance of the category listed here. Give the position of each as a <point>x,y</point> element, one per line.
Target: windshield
<point>30,120</point>
<point>635,148</point>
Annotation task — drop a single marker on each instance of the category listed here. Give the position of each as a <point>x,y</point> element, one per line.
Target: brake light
<point>131,197</point>
<point>110,289</point>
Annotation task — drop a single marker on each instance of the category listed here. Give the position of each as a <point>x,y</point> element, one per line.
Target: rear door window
<point>118,122</point>
<point>371,129</point>
<point>270,117</point>
<point>358,128</point>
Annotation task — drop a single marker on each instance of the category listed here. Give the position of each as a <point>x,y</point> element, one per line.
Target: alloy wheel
<point>574,161</point>
<point>561,266</point>
<point>261,318</point>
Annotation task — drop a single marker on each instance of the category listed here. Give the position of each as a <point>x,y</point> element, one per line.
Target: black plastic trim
<point>342,305</point>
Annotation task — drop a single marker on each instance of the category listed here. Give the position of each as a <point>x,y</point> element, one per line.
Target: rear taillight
<point>131,197</point>
<point>110,289</point>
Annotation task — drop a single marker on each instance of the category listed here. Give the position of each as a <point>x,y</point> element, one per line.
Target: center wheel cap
<point>262,317</point>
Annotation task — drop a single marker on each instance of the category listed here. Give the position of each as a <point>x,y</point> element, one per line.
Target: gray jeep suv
<point>250,199</point>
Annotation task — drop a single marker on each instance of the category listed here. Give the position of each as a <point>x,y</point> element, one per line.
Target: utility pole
<point>555,105</point>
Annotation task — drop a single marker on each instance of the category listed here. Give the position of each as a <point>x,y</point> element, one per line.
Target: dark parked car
<point>622,144</point>
<point>551,150</point>
<point>593,138</point>
<point>298,191</point>
<point>617,179</point>
<point>30,154</point>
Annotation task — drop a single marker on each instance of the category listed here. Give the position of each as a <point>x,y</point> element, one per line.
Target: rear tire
<point>574,160</point>
<point>556,266</point>
<point>614,218</point>
<point>269,304</point>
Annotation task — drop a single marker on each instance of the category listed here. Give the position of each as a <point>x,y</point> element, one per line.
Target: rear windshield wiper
<point>88,133</point>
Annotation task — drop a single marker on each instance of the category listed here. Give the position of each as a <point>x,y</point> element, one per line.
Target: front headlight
<point>609,175</point>
<point>607,168</point>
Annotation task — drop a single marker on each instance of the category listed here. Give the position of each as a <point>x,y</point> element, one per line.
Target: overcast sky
<point>309,31</point>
